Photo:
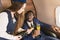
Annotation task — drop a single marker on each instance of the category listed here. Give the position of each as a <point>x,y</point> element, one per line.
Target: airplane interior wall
<point>46,10</point>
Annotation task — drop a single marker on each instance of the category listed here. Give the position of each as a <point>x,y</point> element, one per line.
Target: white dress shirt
<point>29,23</point>
<point>3,27</point>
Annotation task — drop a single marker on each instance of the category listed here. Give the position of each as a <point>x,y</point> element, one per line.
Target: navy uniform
<point>26,26</point>
<point>42,36</point>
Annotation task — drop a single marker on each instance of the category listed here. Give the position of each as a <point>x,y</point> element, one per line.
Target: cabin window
<point>58,16</point>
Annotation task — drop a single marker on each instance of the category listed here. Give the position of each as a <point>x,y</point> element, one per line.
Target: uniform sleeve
<point>43,25</point>
<point>25,26</point>
<point>3,26</point>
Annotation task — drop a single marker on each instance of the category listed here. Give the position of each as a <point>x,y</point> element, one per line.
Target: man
<point>35,34</point>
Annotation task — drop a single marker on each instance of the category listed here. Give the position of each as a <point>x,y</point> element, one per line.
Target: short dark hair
<point>27,14</point>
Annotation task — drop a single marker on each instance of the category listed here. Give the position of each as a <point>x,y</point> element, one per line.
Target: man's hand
<point>56,29</point>
<point>29,30</point>
<point>36,33</point>
<point>20,30</point>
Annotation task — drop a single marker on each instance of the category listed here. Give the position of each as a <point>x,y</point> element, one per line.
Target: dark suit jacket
<point>44,27</point>
<point>35,20</point>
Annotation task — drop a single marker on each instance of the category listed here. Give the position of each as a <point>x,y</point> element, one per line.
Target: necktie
<point>32,25</point>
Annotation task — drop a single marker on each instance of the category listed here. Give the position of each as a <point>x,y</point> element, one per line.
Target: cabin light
<point>58,16</point>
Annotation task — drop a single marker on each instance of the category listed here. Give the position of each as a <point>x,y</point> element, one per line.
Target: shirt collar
<point>29,23</point>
